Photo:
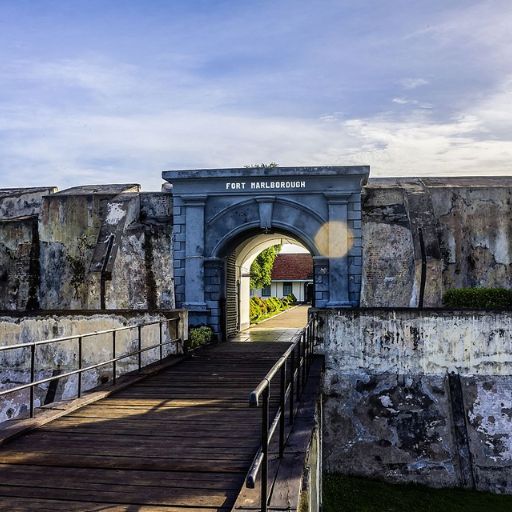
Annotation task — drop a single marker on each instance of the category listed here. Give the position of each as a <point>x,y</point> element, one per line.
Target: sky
<point>96,92</point>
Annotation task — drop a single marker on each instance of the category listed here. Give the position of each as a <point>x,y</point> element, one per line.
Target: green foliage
<point>198,336</point>
<point>363,495</point>
<point>478,298</point>
<point>261,268</point>
<point>260,309</point>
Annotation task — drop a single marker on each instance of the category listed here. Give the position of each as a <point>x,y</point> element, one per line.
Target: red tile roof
<point>293,267</point>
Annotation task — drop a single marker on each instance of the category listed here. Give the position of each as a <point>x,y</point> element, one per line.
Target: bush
<point>198,336</point>
<point>478,298</point>
<point>292,298</point>
<point>274,304</point>
<point>254,310</point>
<point>259,308</point>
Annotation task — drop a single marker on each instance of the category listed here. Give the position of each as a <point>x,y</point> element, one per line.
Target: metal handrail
<point>299,354</point>
<point>113,360</point>
<point>85,335</point>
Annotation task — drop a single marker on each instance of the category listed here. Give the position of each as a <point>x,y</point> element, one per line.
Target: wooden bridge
<point>182,439</point>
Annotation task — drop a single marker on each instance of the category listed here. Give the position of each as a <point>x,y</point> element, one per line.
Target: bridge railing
<point>81,339</point>
<point>293,369</point>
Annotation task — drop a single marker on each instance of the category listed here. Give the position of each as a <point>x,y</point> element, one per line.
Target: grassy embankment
<point>349,494</point>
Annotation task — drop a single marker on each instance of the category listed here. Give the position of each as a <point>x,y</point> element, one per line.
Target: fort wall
<point>419,396</point>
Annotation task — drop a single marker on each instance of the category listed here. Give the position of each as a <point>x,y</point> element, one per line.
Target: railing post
<point>160,325</point>
<point>298,381</point>
<point>304,361</point>
<point>79,391</point>
<point>283,410</point>
<point>264,448</point>
<point>308,345</point>
<point>114,363</point>
<point>139,331</point>
<point>32,376</point>
<point>292,385</point>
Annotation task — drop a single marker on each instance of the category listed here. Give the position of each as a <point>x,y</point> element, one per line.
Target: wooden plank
<point>33,475</point>
<point>16,504</point>
<point>165,427</point>
<point>154,496</point>
<point>203,463</point>
<point>152,440</point>
<point>120,447</point>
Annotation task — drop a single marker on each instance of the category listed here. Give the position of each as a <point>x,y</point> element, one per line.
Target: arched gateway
<point>224,217</point>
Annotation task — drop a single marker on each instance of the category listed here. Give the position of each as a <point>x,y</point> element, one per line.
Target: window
<point>265,291</point>
<point>287,289</point>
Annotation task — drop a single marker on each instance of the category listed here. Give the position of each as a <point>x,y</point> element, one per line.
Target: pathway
<point>279,328</point>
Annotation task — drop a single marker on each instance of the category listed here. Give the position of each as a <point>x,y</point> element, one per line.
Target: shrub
<point>261,308</point>
<point>198,336</point>
<point>261,303</point>
<point>478,298</point>
<point>254,310</point>
<point>274,304</point>
<point>292,298</point>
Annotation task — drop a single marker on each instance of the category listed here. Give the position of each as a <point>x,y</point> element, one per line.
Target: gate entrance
<point>224,217</point>
<point>238,267</point>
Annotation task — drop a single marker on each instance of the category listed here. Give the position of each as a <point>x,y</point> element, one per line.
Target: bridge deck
<point>182,439</point>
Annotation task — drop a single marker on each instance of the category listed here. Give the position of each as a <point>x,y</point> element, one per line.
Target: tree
<point>261,268</point>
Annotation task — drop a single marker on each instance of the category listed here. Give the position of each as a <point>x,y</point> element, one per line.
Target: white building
<point>292,273</point>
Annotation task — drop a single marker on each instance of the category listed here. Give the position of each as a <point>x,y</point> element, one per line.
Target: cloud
<point>405,101</point>
<point>413,83</point>
<point>94,120</point>
<point>95,148</point>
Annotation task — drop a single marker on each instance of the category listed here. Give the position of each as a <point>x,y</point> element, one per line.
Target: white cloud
<point>413,83</point>
<point>402,101</point>
<point>117,138</point>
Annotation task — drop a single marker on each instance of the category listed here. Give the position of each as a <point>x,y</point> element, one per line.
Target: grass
<point>350,494</point>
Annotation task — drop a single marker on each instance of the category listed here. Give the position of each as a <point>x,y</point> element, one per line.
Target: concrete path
<point>279,328</point>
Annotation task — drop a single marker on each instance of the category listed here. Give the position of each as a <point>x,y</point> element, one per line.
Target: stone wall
<point>103,247</point>
<point>55,358</point>
<point>19,247</point>
<point>422,237</point>
<point>419,396</point>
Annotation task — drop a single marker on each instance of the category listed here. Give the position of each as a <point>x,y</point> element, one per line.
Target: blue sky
<point>118,91</point>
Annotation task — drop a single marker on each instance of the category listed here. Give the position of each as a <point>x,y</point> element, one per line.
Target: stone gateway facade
<point>224,217</point>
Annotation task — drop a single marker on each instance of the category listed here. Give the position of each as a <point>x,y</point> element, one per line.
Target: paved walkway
<point>279,328</point>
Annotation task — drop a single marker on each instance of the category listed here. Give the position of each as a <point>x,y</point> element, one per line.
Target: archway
<point>239,258</point>
<point>217,211</point>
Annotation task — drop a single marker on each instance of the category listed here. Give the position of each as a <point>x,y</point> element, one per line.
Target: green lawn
<point>349,494</point>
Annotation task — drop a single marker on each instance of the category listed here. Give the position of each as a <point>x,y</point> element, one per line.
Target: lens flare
<point>334,239</point>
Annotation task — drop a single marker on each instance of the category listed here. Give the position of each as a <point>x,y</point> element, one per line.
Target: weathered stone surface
<point>488,403</point>
<point>19,268</point>
<point>475,235</point>
<point>418,342</point>
<point>422,237</point>
<point>423,396</point>
<point>56,257</point>
<point>389,426</point>
<point>22,202</point>
<point>19,247</point>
